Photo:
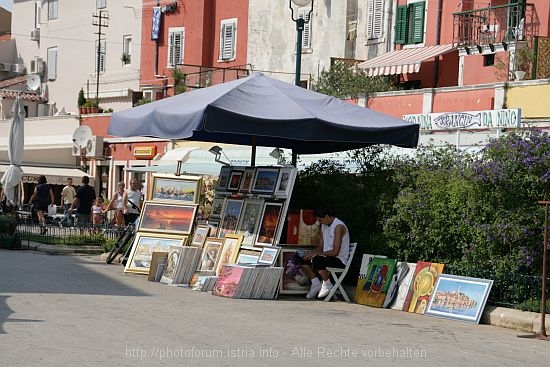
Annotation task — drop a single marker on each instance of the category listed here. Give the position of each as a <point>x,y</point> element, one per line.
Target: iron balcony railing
<point>496,24</point>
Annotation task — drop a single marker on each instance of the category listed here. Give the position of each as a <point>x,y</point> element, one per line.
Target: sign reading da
<point>471,120</point>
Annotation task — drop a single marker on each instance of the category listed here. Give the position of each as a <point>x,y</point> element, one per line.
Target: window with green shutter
<point>409,23</point>
<point>401,25</point>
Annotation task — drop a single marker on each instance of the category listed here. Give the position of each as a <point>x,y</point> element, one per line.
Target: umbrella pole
<point>253,153</point>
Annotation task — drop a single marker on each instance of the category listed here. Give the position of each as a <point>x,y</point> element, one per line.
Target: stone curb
<point>496,316</point>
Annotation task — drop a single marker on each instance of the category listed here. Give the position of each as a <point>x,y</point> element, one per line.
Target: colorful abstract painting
<point>373,288</point>
<point>422,286</point>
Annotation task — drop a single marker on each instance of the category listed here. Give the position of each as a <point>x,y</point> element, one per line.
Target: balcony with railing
<point>495,25</point>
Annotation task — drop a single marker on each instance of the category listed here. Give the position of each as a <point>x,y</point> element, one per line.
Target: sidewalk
<point>528,322</point>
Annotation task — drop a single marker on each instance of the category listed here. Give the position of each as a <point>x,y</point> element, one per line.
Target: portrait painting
<point>229,251</point>
<point>209,254</point>
<point>285,181</point>
<point>167,218</point>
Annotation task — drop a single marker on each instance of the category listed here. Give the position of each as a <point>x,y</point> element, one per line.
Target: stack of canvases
<point>255,280</point>
<point>166,221</point>
<point>248,213</point>
<point>420,288</point>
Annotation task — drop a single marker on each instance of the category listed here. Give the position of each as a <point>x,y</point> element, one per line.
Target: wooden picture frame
<point>269,223</point>
<point>139,260</point>
<point>172,264</point>
<point>167,218</point>
<point>229,251</point>
<point>218,203</point>
<point>200,235</point>
<point>285,182</point>
<point>230,217</point>
<point>247,180</point>
<point>265,180</point>
<point>223,179</point>
<point>158,262</point>
<point>269,255</point>
<point>250,220</point>
<point>235,180</point>
<point>214,225</point>
<point>459,298</point>
<point>294,280</point>
<point>209,255</point>
<point>177,189</point>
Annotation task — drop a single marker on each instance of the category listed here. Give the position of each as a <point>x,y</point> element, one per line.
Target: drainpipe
<point>438,40</point>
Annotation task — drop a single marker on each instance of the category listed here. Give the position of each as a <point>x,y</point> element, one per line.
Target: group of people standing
<point>88,207</point>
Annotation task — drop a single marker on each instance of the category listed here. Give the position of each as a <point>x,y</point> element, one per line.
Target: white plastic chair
<point>338,279</point>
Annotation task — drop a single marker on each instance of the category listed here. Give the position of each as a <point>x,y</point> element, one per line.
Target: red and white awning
<point>402,61</point>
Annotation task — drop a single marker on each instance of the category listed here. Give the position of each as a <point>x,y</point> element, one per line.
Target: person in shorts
<point>42,197</point>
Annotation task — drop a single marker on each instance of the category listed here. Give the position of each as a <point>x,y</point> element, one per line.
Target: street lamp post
<point>300,24</point>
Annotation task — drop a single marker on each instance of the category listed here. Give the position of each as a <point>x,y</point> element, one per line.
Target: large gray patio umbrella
<point>262,111</point>
<point>12,176</point>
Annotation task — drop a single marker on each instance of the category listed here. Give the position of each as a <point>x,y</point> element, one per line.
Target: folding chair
<point>338,279</point>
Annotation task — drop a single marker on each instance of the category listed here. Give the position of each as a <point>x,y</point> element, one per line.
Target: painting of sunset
<point>167,218</point>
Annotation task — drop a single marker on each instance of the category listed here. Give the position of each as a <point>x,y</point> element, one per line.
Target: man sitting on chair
<point>332,251</point>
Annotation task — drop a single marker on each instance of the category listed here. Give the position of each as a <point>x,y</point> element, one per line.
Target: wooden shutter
<point>306,33</point>
<point>37,14</point>
<point>175,46</point>
<point>376,18</point>
<point>52,63</point>
<point>417,22</point>
<point>227,41</point>
<point>401,25</point>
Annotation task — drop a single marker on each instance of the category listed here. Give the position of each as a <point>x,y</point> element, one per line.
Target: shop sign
<point>471,120</point>
<point>145,152</point>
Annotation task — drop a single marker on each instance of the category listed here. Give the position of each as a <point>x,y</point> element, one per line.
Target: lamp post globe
<point>301,2</point>
<point>300,24</point>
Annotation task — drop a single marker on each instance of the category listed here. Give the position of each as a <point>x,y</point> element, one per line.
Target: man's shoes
<point>325,290</point>
<point>313,291</point>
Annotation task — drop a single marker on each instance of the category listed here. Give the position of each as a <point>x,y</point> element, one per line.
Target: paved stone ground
<point>75,310</point>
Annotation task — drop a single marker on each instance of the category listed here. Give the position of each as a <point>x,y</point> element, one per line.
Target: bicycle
<point>126,237</point>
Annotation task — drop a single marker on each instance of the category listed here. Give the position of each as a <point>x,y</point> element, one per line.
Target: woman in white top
<point>117,204</point>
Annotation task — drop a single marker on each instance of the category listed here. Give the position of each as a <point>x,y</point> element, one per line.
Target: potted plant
<point>81,101</point>
<point>94,105</point>
<point>523,61</point>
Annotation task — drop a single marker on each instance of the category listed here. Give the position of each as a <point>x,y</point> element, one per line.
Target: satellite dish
<point>81,135</point>
<point>33,82</point>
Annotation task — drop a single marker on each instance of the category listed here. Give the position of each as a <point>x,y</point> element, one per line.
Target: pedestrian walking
<point>41,198</point>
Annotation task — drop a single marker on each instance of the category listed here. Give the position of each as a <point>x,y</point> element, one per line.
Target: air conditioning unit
<point>35,34</point>
<point>4,66</point>
<point>18,68</point>
<point>94,147</point>
<point>37,66</point>
<point>76,151</point>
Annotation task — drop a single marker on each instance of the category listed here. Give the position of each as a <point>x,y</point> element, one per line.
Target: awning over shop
<point>54,176</point>
<point>402,61</point>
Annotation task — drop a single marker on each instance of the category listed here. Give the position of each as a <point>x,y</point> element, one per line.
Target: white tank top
<point>328,239</point>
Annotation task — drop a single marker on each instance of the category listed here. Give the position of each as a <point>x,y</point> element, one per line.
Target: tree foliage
<point>341,81</point>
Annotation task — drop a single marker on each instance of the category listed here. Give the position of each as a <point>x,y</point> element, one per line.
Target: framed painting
<point>230,217</point>
<point>229,251</point>
<point>249,220</point>
<point>422,286</point>
<point>172,263</point>
<point>167,218</point>
<point>179,189</point>
<point>246,181</point>
<point>268,224</point>
<point>247,259</point>
<point>139,260</point>
<point>214,225</point>
<point>223,179</point>
<point>234,180</point>
<point>459,298</point>
<point>217,207</point>
<point>373,287</point>
<point>200,235</point>
<point>294,280</point>
<point>269,255</point>
<point>209,254</point>
<point>285,182</point>
<point>265,180</point>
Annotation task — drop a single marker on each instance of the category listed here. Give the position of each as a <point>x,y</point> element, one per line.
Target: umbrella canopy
<point>12,176</point>
<point>261,111</point>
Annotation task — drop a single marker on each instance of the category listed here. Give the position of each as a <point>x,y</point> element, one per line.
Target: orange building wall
<point>397,106</point>
<point>463,101</point>
<point>232,9</point>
